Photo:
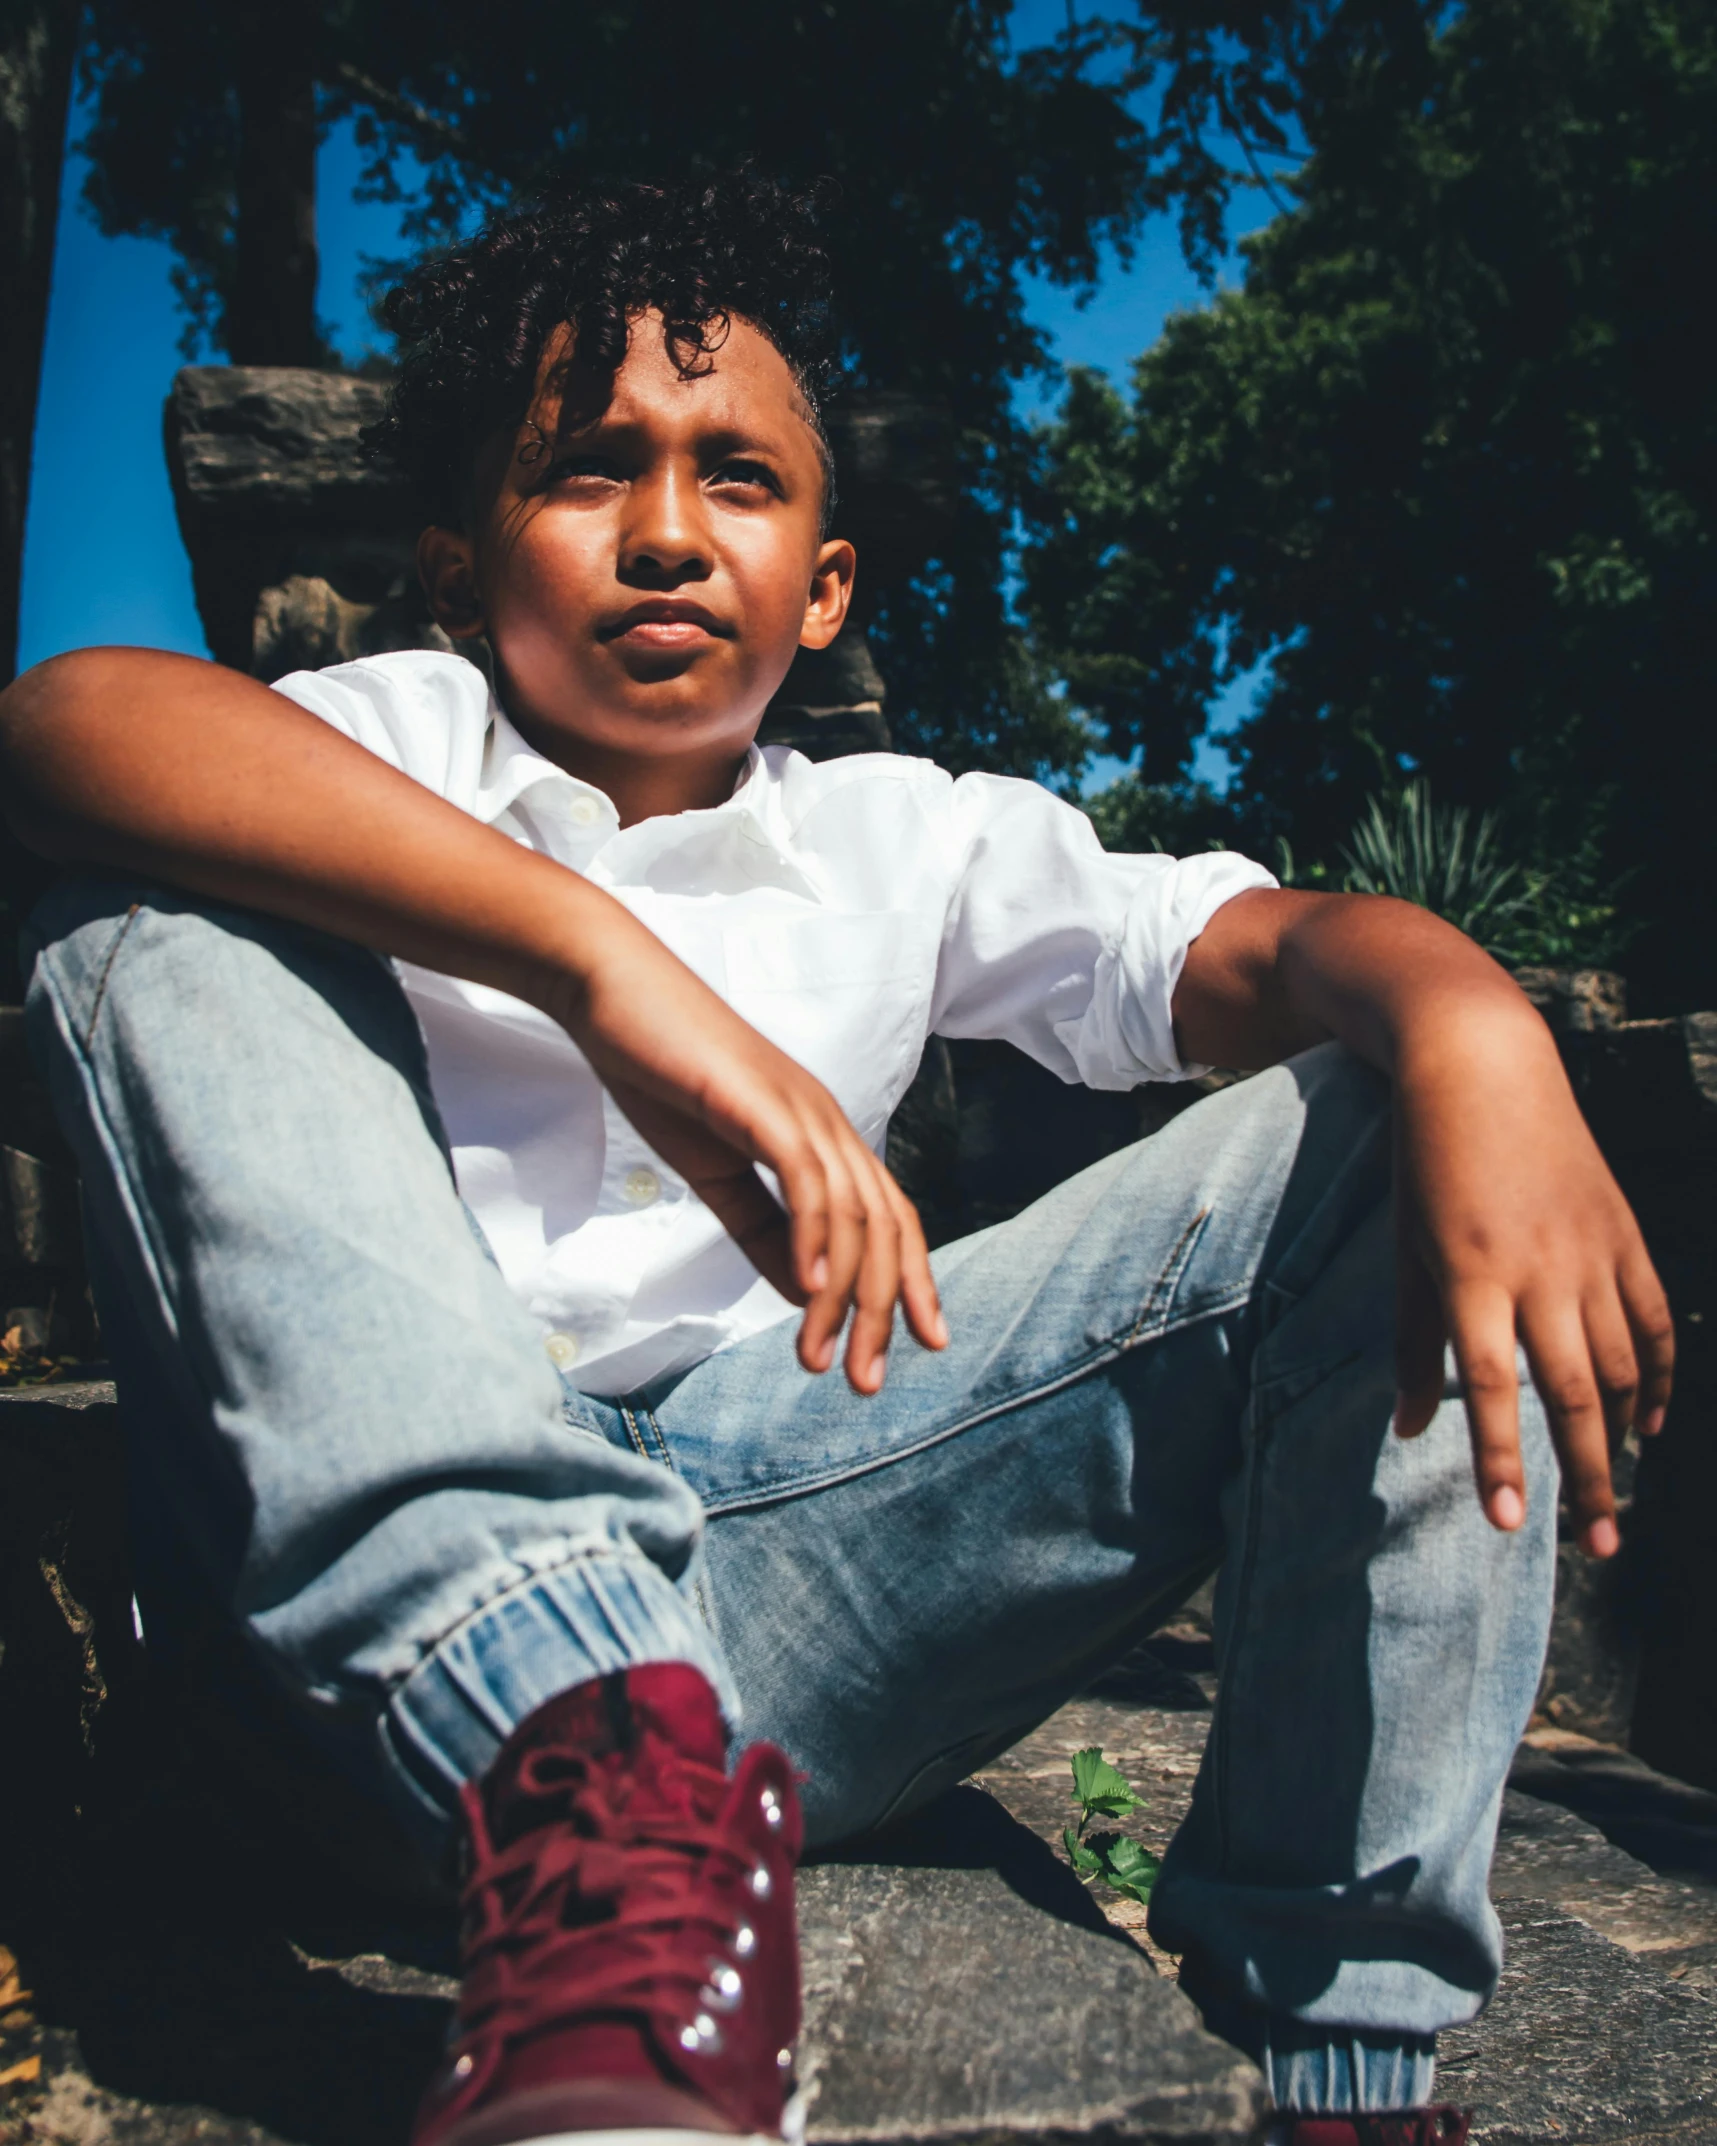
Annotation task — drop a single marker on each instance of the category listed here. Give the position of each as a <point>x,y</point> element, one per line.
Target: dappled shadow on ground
<point>199,1982</point>
<point>968,1829</point>
<point>182,1960</point>
<point>1668,1824</point>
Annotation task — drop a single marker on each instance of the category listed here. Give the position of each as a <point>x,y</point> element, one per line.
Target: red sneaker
<point>628,1943</point>
<point>1440,2126</point>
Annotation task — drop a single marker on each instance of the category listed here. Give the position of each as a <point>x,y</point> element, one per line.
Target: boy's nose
<point>666,534</point>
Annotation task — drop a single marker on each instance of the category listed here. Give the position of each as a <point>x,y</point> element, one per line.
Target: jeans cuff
<point>600,1612</point>
<point>1315,2069</point>
<point>1319,2070</point>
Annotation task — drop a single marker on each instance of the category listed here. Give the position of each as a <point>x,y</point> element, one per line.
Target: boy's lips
<point>666,622</point>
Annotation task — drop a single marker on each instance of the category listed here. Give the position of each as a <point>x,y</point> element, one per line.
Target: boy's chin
<point>662,732</point>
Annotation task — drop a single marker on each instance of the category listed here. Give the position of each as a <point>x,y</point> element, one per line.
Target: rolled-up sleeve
<point>1055,945</point>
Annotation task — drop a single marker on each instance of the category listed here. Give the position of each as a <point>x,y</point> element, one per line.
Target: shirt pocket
<point>847,996</point>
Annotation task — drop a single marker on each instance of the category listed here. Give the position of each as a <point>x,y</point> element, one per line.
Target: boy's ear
<point>447,567</point>
<point>831,593</point>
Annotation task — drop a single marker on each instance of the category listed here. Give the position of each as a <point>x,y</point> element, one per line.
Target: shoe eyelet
<point>464,2066</point>
<point>702,2038</point>
<point>724,1989</point>
<point>762,1885</point>
<point>744,1942</point>
<point>772,1812</point>
<point>784,2059</point>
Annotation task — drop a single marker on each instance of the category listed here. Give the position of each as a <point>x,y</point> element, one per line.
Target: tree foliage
<point>960,166</point>
<point>1449,460</point>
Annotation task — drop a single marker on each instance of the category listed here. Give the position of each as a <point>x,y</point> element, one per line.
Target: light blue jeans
<point>349,1447</point>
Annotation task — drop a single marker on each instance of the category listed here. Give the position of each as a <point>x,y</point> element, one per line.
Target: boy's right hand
<point>715,1099</point>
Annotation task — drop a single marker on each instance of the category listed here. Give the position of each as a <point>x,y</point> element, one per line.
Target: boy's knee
<point>1314,1124</point>
<point>145,1000</point>
<point>101,950</point>
<point>1333,1083</point>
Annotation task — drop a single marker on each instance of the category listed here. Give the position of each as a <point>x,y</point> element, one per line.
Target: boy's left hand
<point>1510,1227</point>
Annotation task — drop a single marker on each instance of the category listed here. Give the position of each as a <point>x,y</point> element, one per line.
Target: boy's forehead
<point>744,380</point>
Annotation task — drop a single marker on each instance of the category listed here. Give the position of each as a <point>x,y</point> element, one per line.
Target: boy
<point>515,1524</point>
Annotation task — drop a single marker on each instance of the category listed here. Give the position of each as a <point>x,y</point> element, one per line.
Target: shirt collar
<point>511,766</point>
<point>580,818</point>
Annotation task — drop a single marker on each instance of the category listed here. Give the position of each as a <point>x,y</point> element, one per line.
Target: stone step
<point>1544,1852</point>
<point>1585,2043</point>
<point>960,1983</point>
<point>960,1986</point>
<point>1605,2026</point>
<point>963,1986</point>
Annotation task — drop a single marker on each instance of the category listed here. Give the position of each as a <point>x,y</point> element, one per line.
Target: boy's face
<point>645,570</point>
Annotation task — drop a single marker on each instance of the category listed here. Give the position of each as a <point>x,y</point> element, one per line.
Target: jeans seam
<point>1110,1352</point>
<point>95,1106</point>
<point>1237,1625</point>
<point>632,1431</point>
<point>131,916</point>
<point>1168,1280</point>
<point>656,1432</point>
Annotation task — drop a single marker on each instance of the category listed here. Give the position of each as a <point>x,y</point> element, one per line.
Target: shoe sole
<point>792,2133</point>
<point>644,2136</point>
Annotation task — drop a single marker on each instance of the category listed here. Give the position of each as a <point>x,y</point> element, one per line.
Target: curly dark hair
<point>472,321</point>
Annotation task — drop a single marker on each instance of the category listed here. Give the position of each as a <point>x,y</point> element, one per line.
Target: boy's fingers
<point>1610,1345</point>
<point>877,1292</point>
<point>805,1189</point>
<point>1559,1351</point>
<point>1481,1327</point>
<point>1647,1311</point>
<point>918,1292</point>
<point>845,1246</point>
<point>743,1207</point>
<point>1419,1342</point>
<point>731,1189</point>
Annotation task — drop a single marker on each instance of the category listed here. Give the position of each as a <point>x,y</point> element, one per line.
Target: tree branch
<point>407,112</point>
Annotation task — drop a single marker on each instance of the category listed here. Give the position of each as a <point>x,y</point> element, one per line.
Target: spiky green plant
<point>1437,856</point>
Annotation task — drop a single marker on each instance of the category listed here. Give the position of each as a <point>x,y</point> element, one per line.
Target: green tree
<point>203,131</point>
<point>1449,460</point>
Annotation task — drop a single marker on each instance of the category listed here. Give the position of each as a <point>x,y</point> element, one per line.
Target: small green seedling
<point>1102,1792</point>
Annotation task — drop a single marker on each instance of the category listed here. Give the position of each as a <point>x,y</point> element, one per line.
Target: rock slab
<point>960,1985</point>
<point>993,2002</point>
<point>1583,2043</point>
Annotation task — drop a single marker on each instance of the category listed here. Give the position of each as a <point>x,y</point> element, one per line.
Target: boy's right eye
<point>569,466</point>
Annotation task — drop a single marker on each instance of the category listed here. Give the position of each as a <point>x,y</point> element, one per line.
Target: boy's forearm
<point>193,775</point>
<point>180,770</point>
<point>1278,971</point>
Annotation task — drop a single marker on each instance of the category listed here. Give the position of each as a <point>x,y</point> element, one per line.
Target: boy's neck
<point>640,787</point>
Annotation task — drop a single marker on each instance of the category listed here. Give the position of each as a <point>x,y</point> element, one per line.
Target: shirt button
<point>641,1188</point>
<point>585,812</point>
<point>564,1350</point>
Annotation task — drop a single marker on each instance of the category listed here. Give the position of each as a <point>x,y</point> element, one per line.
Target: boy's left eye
<point>743,472</point>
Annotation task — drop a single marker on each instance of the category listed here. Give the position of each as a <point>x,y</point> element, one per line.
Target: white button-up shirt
<point>849,910</point>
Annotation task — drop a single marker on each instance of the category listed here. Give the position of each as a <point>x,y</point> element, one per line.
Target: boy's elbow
<point>50,717</point>
<point>53,688</point>
<point>82,677</point>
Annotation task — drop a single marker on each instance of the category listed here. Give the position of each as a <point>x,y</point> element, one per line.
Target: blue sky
<point>103,561</point>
